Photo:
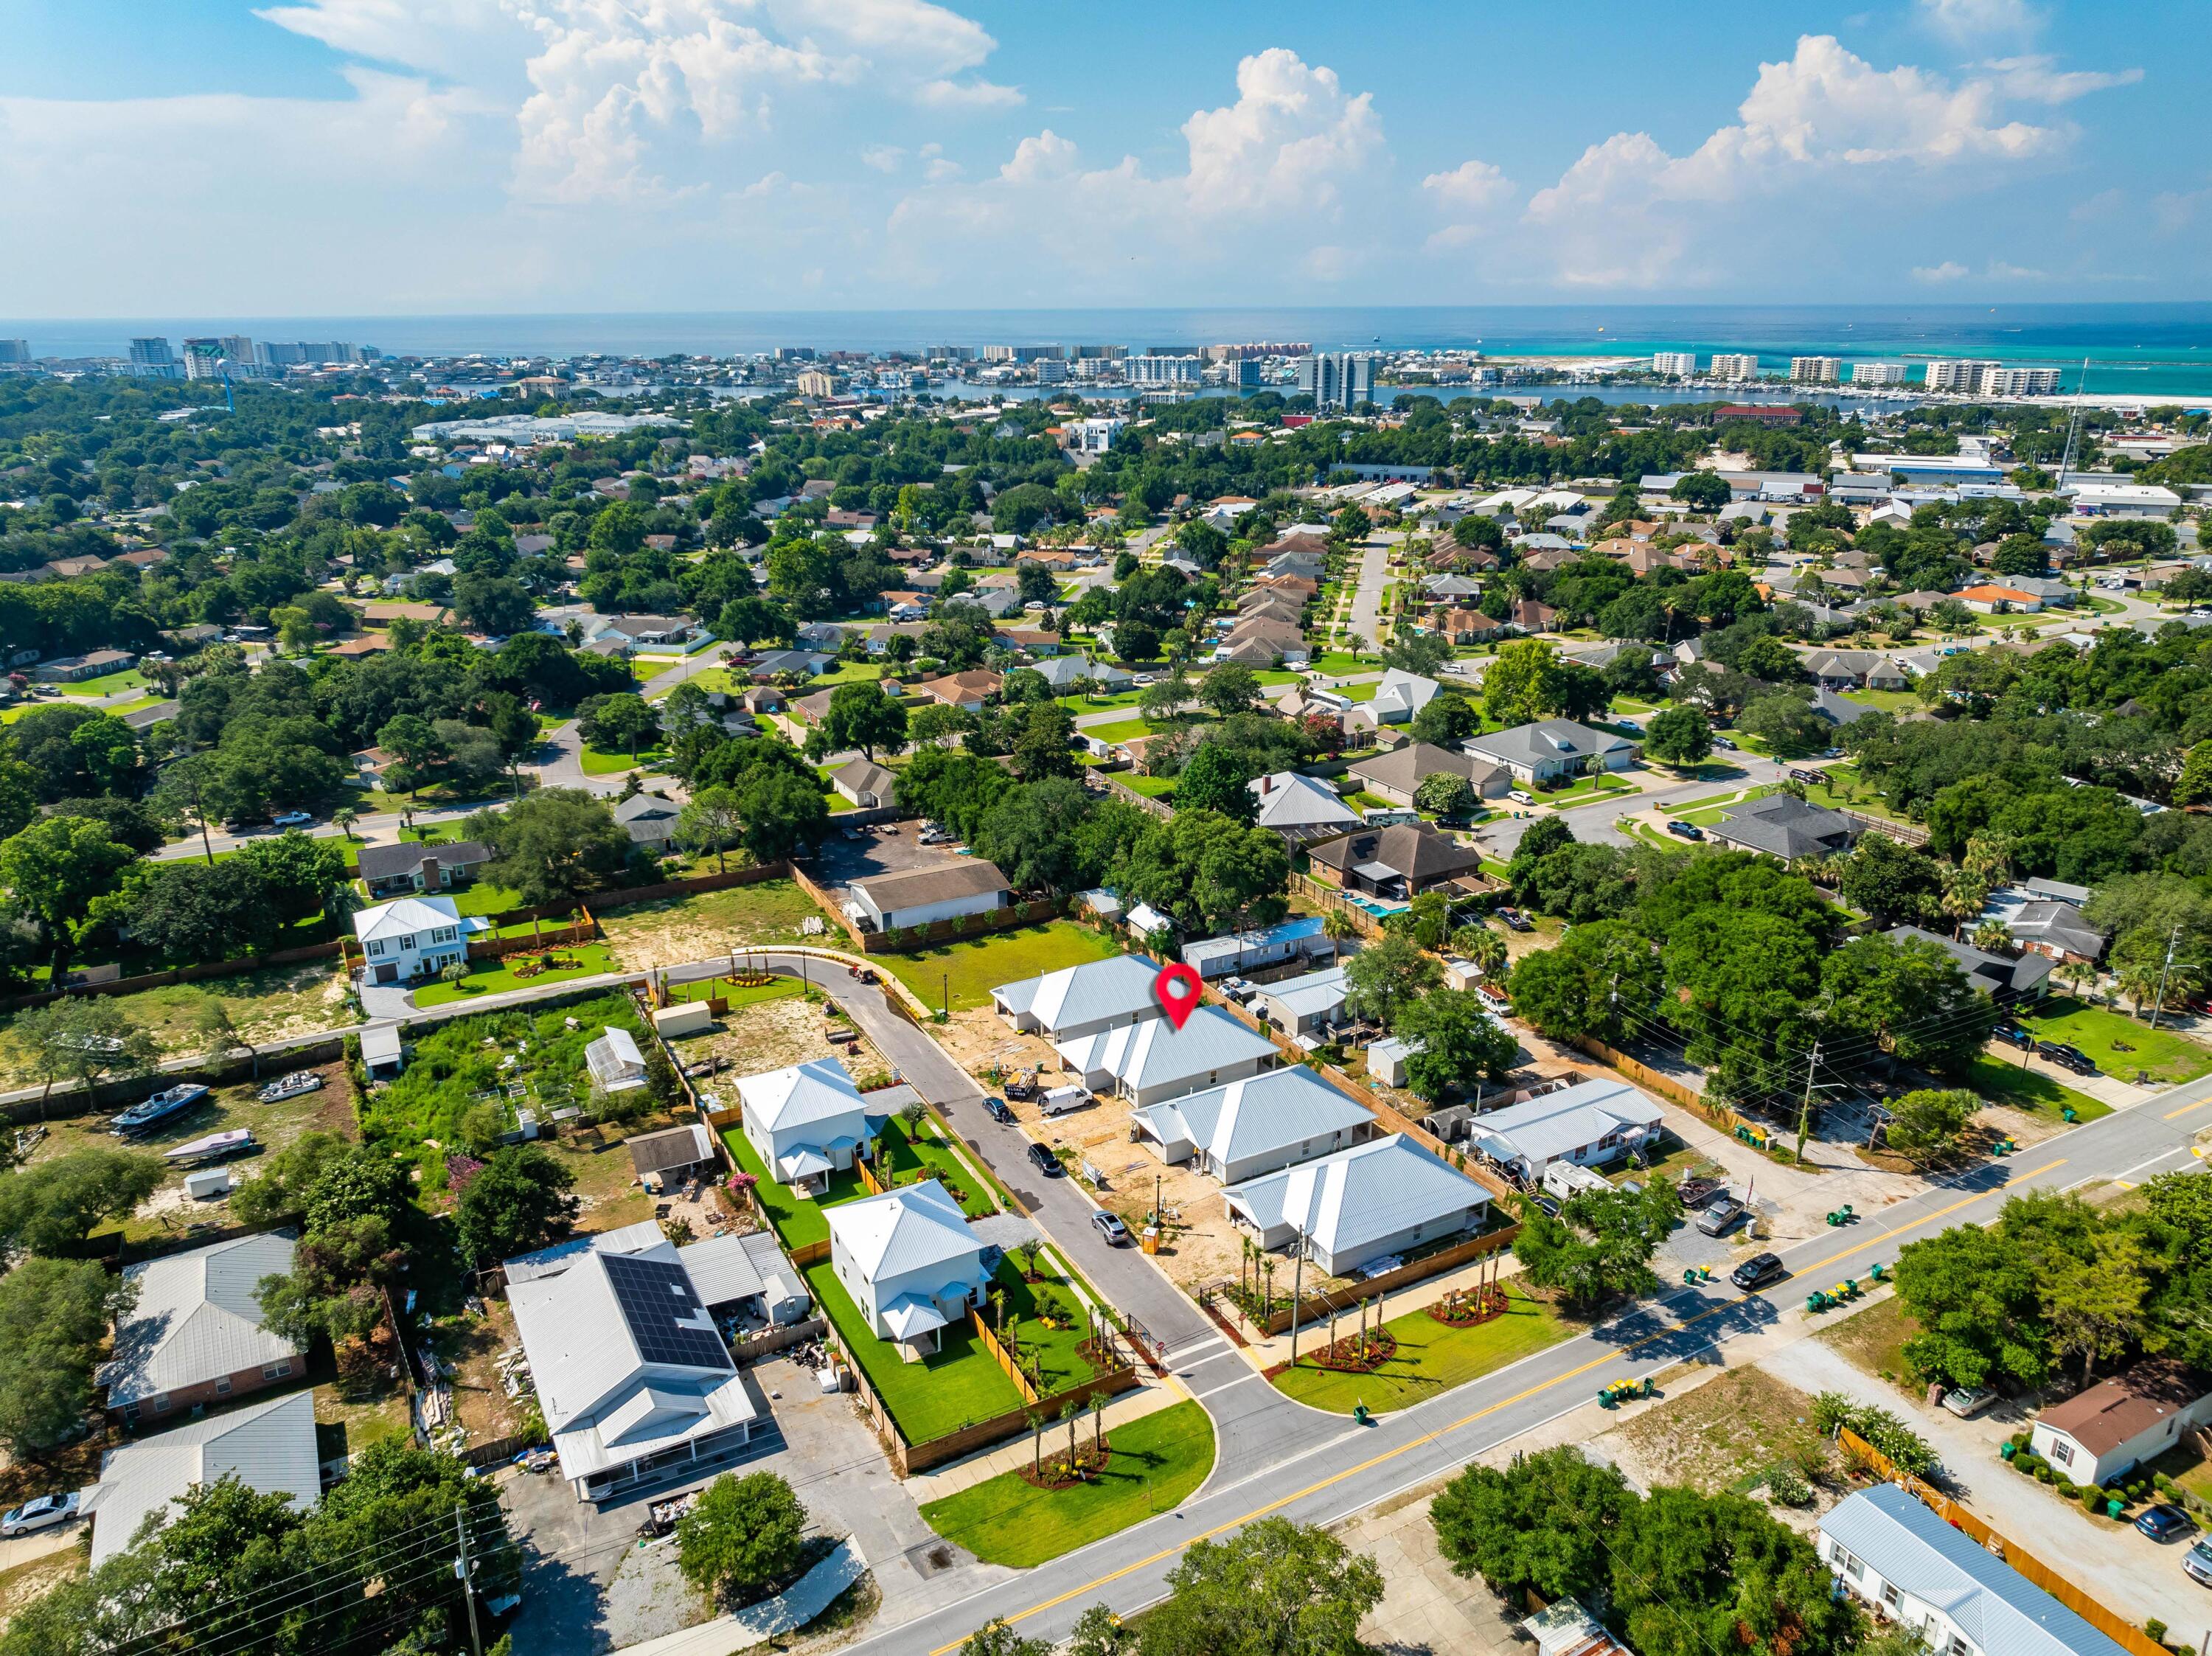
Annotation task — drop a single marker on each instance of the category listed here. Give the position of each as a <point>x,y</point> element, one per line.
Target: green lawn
<point>598,762</point>
<point>1120,730</point>
<point>1359,692</point>
<point>107,684</point>
<point>492,977</point>
<point>1707,810</point>
<point>1337,662</point>
<point>1430,1358</point>
<point>1152,787</point>
<point>1157,1461</point>
<point>484,898</point>
<point>1586,788</point>
<point>931,1155</point>
<point>1844,790</point>
<point>960,1386</point>
<point>976,966</point>
<point>2170,1057</point>
<point>737,995</point>
<point>1081,705</point>
<point>797,1219</point>
<point>2004,1081</point>
<point>1888,702</point>
<point>848,673</point>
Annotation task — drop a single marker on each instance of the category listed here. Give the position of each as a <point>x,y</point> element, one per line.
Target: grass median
<point>1431,1358</point>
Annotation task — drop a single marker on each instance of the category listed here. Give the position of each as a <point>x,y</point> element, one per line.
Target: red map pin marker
<point>1177,990</point>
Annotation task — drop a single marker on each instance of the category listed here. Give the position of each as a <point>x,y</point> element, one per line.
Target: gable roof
<point>1545,741</point>
<point>1784,826</point>
<point>1412,849</point>
<point>1257,1117</point>
<point>646,807</point>
<point>1290,801</point>
<point>197,1318</point>
<point>1360,1195</point>
<point>1154,1053</point>
<point>1403,692</point>
<point>1537,1129</point>
<point>1994,1604</point>
<point>1115,988</point>
<point>918,888</point>
<point>801,1094</point>
<point>904,1231</point>
<point>268,1447</point>
<point>1404,768</point>
<point>2116,1410</point>
<point>866,776</point>
<point>672,1147</point>
<point>1986,972</point>
<point>392,862</point>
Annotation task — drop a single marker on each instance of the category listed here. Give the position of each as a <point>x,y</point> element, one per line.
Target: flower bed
<point>1358,1353</point>
<point>1064,1471</point>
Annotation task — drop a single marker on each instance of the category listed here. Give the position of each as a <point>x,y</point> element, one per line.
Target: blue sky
<point>396,156</point>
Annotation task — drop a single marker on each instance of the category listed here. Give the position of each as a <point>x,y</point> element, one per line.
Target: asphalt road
<point>1331,1468</point>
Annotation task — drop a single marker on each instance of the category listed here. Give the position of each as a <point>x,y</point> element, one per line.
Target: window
<point>2062,1452</point>
<point>222,1387</point>
<point>1848,1563</point>
<point>270,1371</point>
<point>407,942</point>
<point>161,1403</point>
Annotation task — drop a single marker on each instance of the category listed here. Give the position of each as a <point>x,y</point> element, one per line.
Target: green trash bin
<point>2114,1508</point>
<point>2007,1449</point>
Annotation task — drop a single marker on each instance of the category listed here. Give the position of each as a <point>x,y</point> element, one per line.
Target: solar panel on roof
<point>663,1314</point>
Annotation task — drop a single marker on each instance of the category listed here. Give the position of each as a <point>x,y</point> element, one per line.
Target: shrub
<point>2156,1629</point>
<point>1788,1488</point>
<point>2067,1487</point>
<point>2092,1498</point>
<point>2043,1474</point>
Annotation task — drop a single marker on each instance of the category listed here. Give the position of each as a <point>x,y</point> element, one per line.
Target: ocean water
<point>2151,350</point>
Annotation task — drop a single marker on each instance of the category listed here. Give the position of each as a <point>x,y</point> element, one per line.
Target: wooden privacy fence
<point>2114,1627</point>
<point>500,1450</point>
<point>558,936</point>
<point>1316,1308</point>
<point>1002,1357</point>
<point>1123,790</point>
<point>908,1459</point>
<point>315,951</point>
<point>780,1339</point>
<point>1321,892</point>
<point>1665,1085</point>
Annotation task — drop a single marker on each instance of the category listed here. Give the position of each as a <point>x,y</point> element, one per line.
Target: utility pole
<point>1805,1110</point>
<point>1297,1284</point>
<point>467,1576</point>
<point>2172,943</point>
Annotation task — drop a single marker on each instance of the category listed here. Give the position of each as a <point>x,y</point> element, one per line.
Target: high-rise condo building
<point>1682,364</point>
<point>1877,373</point>
<point>1735,366</point>
<point>1815,370</point>
<point>1337,380</point>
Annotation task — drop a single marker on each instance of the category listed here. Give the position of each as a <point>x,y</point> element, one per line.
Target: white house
<point>270,1448</point>
<point>1590,1124</point>
<point>632,1375</point>
<point>1401,695</point>
<point>1361,1203</point>
<point>806,1121</point>
<point>1895,1556</point>
<point>1307,1006</point>
<point>922,896</point>
<point>2119,1423</point>
<point>866,784</point>
<point>1252,1127</point>
<point>910,1262</point>
<point>411,937</point>
<point>1150,1062</point>
<point>1082,1000</point>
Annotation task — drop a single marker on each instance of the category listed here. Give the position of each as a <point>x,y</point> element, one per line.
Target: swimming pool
<point>1375,906</point>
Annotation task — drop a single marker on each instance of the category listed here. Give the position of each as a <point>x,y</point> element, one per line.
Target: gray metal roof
<point>904,1231</point>
<point>1313,991</point>
<point>1539,1128</point>
<point>268,1447</point>
<point>2004,1612</point>
<point>1154,1053</point>
<point>1258,1117</point>
<point>1352,1197</point>
<point>197,1319</point>
<point>1117,988</point>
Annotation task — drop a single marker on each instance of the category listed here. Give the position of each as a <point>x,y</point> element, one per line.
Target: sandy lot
<point>680,929</point>
<point>277,1000</point>
<point>770,1034</point>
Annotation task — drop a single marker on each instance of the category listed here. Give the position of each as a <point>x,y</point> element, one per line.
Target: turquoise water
<point>2154,350</point>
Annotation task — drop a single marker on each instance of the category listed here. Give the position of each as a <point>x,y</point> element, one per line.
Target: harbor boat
<point>290,1086</point>
<point>153,1112</point>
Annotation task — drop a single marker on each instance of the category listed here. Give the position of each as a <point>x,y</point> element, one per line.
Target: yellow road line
<point>2186,1109</point>
<point>1388,1455</point>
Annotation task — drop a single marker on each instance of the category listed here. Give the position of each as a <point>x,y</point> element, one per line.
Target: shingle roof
<point>196,1319</point>
<point>865,776</point>
<point>1117,988</point>
<point>1403,769</point>
<point>969,876</point>
<point>2113,1411</point>
<point>1413,849</point>
<point>390,862</point>
<point>1356,1196</point>
<point>268,1447</point>
<point>1258,1117</point>
<point>1995,1606</point>
<point>1784,826</point>
<point>1154,1053</point>
<point>1546,740</point>
<point>904,1231</point>
<point>1984,971</point>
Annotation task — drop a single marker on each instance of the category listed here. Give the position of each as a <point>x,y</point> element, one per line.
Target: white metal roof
<point>268,1447</point>
<point>2004,1612</point>
<point>403,915</point>
<point>644,1237</point>
<point>1117,988</point>
<point>1289,800</point>
<point>1403,692</point>
<point>801,1095</point>
<point>1154,1053</point>
<point>1371,1191</point>
<point>196,1319</point>
<point>1539,1128</point>
<point>1256,1117</point>
<point>904,1231</point>
<point>1315,991</point>
<point>727,1268</point>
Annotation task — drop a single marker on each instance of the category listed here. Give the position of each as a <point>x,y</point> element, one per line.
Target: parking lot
<point>887,848</point>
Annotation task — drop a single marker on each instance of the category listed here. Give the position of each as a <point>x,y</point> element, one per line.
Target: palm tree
<point>345,816</point>
<point>1963,897</point>
<point>1487,951</point>
<point>1337,926</point>
<point>1991,938</point>
<point>1035,1421</point>
<point>1071,1411</point>
<point>2082,974</point>
<point>1988,856</point>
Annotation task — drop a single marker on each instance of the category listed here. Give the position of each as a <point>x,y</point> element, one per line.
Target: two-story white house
<point>910,1262</point>
<point>806,1121</point>
<point>411,937</point>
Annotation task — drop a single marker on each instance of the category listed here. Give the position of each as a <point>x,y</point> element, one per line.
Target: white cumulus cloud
<point>2037,78</point>
<point>1949,270</point>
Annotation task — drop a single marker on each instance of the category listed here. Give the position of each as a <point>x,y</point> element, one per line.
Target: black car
<point>1046,1163</point>
<point>2163,1523</point>
<point>1757,1271</point>
<point>2018,1036</point>
<point>997,1110</point>
<point>2066,1057</point>
<point>1685,830</point>
<point>1111,1228</point>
